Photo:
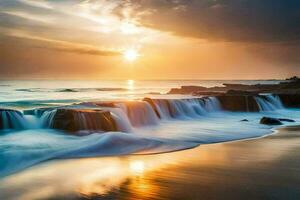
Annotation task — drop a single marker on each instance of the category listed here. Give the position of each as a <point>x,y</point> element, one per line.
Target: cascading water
<point>43,118</point>
<point>212,104</point>
<point>70,119</point>
<point>11,119</point>
<point>46,118</point>
<point>186,108</point>
<point>32,121</point>
<point>275,100</point>
<point>140,113</point>
<point>105,127</point>
<point>125,115</point>
<point>121,120</point>
<point>269,103</point>
<point>182,109</point>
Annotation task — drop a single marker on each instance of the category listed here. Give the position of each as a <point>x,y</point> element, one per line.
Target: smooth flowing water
<point>169,123</point>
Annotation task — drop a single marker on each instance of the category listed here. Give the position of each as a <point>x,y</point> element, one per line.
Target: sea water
<point>184,123</point>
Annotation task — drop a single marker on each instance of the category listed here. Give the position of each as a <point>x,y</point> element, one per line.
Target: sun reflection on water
<point>135,177</point>
<point>130,84</point>
<point>130,89</point>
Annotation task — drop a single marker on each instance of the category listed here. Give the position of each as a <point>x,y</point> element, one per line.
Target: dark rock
<point>241,92</point>
<point>76,120</point>
<point>230,86</point>
<point>242,103</point>
<point>290,86</point>
<point>154,93</point>
<point>106,104</point>
<point>290,100</point>
<point>294,78</point>
<point>111,89</point>
<point>270,121</point>
<point>68,90</point>
<point>286,120</point>
<point>207,93</point>
<point>187,90</point>
<point>244,120</point>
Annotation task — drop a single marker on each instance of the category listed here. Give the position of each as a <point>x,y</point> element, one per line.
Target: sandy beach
<point>262,168</point>
<point>149,100</point>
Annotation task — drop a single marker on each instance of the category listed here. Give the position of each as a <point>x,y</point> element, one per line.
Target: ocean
<point>32,93</point>
<point>179,122</point>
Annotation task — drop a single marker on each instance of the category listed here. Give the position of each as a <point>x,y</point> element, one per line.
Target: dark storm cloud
<point>229,20</point>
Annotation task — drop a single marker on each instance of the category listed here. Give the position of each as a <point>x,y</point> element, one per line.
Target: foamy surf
<point>26,148</point>
<point>140,127</point>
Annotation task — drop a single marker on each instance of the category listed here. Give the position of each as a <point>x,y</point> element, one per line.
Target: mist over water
<point>177,122</point>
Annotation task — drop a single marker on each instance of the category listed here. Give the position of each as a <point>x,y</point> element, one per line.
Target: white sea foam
<point>172,124</point>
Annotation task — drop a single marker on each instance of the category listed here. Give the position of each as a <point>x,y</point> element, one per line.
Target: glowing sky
<point>174,39</point>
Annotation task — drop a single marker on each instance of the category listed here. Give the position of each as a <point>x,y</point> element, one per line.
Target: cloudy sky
<point>173,39</point>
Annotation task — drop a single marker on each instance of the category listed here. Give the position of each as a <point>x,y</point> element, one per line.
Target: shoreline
<point>124,176</point>
<point>193,145</point>
<point>273,131</point>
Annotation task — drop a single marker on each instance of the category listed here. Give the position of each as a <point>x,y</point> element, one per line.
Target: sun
<point>130,54</point>
<point>137,167</point>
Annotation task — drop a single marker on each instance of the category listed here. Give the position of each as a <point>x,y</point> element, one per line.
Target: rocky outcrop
<point>290,100</point>
<point>207,93</point>
<point>244,120</point>
<point>187,90</point>
<point>270,121</point>
<point>241,92</point>
<point>106,104</point>
<point>274,121</point>
<point>286,120</point>
<point>241,97</point>
<point>289,86</point>
<point>75,120</point>
<point>68,90</point>
<point>241,103</point>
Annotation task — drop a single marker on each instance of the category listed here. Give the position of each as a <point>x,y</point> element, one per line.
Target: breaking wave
<point>124,127</point>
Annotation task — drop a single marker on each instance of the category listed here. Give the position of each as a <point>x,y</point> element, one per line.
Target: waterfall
<point>183,108</point>
<point>120,116</point>
<point>11,119</point>
<point>90,120</point>
<point>70,119</point>
<point>121,119</point>
<point>140,113</point>
<point>275,100</point>
<point>186,108</point>
<point>269,102</point>
<point>163,108</point>
<point>43,118</point>
<point>46,118</point>
<point>32,121</point>
<point>212,104</point>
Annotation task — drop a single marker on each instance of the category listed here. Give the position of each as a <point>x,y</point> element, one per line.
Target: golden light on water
<point>130,54</point>
<point>130,84</point>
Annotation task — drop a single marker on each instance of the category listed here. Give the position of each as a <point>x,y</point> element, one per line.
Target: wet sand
<point>263,168</point>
